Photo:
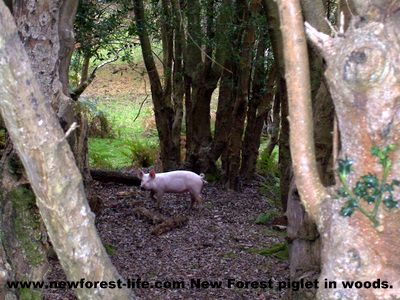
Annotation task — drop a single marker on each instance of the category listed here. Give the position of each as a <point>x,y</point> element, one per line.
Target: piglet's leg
<point>192,199</point>
<point>159,199</point>
<point>198,199</point>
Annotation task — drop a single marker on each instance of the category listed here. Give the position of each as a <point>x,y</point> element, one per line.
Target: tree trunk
<point>364,84</point>
<point>259,106</point>
<point>178,87</point>
<point>273,124</point>
<point>51,170</point>
<point>281,96</point>
<point>38,27</point>
<point>224,115</point>
<point>203,69</point>
<point>24,243</point>
<point>305,243</point>
<point>285,164</point>
<point>227,96</point>
<point>164,111</point>
<point>241,101</point>
<point>365,88</point>
<point>51,58</point>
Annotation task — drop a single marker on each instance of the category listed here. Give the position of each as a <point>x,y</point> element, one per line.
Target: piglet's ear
<point>152,173</point>
<point>140,173</point>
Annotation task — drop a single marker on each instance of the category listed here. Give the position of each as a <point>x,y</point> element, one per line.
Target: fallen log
<point>115,176</point>
<point>141,212</point>
<point>169,225</point>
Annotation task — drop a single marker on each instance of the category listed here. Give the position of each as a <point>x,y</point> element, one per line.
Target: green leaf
<point>345,166</point>
<point>371,198</point>
<point>375,151</point>
<point>342,193</point>
<point>388,148</point>
<point>387,188</point>
<point>349,209</point>
<point>389,203</point>
<point>396,182</point>
<point>370,180</point>
<point>360,190</point>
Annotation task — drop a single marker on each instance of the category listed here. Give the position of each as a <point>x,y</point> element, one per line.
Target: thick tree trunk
<point>203,70</point>
<point>164,110</point>
<point>241,100</point>
<point>259,106</point>
<point>224,115</point>
<point>364,84</point>
<point>51,169</point>
<point>281,96</point>
<point>24,243</point>
<point>50,58</point>
<point>362,74</point>
<point>305,243</point>
<point>38,27</point>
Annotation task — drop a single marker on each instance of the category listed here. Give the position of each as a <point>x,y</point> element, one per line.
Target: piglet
<point>173,182</point>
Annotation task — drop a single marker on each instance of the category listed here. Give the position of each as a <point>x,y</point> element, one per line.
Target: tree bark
<point>24,243</point>
<point>364,84</point>
<point>260,105</point>
<point>275,34</point>
<point>303,236</point>
<point>165,113</point>
<point>38,25</point>
<point>50,167</point>
<point>241,100</point>
<point>202,70</point>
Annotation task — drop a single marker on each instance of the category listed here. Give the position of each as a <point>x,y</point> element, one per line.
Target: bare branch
<point>321,40</point>
<point>69,131</point>
<point>76,92</point>
<point>140,108</point>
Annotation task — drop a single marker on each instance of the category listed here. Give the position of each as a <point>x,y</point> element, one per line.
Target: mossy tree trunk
<point>55,179</point>
<point>46,31</point>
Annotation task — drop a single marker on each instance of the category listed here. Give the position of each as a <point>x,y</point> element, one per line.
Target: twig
<point>140,108</point>
<point>71,128</point>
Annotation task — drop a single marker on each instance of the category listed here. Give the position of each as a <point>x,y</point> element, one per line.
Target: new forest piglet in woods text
<point>173,182</point>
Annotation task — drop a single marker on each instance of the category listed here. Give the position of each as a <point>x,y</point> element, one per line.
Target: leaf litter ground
<point>213,246</point>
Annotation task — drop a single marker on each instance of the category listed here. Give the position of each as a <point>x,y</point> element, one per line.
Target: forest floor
<point>218,245</point>
<point>214,246</point>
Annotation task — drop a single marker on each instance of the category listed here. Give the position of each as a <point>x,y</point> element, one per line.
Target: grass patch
<point>134,139</point>
<point>265,218</point>
<point>109,249</point>
<point>280,251</point>
<point>106,153</point>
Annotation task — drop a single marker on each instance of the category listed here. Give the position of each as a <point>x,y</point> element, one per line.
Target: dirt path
<point>208,258</point>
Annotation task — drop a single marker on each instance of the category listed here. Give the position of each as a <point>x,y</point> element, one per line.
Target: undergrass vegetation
<point>279,250</point>
<point>268,166</point>
<point>132,139</point>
